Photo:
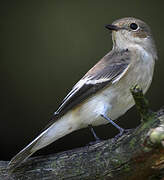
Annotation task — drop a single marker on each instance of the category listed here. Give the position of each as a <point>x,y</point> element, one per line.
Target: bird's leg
<point>94,134</point>
<point>115,125</point>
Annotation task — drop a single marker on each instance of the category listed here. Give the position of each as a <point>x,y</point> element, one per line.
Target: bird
<point>103,94</point>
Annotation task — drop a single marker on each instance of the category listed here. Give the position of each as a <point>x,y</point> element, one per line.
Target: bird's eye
<point>133,26</point>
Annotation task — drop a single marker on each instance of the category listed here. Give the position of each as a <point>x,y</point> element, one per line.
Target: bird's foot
<point>94,142</point>
<point>122,132</point>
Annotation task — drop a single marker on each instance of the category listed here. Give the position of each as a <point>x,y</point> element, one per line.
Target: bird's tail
<point>60,128</point>
<point>20,157</point>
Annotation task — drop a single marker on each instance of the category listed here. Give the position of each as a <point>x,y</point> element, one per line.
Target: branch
<point>138,154</point>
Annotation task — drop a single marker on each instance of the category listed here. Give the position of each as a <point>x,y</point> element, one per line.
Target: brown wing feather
<point>104,72</point>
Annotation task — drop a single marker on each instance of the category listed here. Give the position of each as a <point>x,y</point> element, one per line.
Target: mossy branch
<point>142,104</point>
<point>138,154</point>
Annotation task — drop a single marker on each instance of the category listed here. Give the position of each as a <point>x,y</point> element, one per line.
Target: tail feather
<point>57,130</point>
<point>21,156</point>
<point>27,151</point>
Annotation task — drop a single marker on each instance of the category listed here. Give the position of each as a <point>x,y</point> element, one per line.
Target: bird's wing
<point>108,70</point>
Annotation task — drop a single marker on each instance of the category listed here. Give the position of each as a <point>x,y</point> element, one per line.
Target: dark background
<point>46,46</point>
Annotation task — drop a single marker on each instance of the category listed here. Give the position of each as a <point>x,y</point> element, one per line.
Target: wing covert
<point>106,71</point>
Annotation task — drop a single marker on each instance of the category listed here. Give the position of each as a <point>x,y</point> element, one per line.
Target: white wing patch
<point>120,76</point>
<point>88,80</point>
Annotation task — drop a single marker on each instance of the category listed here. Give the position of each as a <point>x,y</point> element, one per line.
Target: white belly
<point>115,99</point>
<point>113,105</point>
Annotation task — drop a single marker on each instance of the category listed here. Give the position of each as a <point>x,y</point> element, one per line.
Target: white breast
<point>116,99</point>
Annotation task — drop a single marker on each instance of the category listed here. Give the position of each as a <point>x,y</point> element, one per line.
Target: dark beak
<point>112,27</point>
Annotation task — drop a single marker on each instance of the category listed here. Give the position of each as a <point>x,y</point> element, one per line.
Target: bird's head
<point>129,32</point>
